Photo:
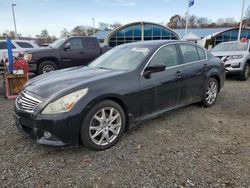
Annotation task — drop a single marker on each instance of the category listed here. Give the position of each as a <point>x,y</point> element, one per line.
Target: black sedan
<point>133,82</point>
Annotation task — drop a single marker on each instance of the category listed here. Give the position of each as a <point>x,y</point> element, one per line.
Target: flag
<point>190,3</point>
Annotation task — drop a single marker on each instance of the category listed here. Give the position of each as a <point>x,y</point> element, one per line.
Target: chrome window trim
<point>174,43</point>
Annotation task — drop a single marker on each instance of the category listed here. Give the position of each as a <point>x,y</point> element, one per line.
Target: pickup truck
<point>63,53</point>
<point>236,57</point>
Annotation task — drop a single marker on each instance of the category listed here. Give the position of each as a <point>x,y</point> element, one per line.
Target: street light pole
<point>93,19</point>
<point>242,12</point>
<point>14,19</point>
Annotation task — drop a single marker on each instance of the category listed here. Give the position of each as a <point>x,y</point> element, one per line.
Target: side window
<point>201,53</point>
<point>90,43</point>
<point>167,56</point>
<point>24,45</point>
<point>75,44</point>
<point>189,53</point>
<point>3,46</point>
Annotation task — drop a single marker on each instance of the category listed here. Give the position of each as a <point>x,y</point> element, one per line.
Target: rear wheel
<point>210,96</point>
<point>46,66</point>
<point>245,73</point>
<point>103,125</point>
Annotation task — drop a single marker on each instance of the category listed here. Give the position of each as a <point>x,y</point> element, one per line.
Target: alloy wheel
<point>48,68</point>
<point>211,93</point>
<point>105,126</point>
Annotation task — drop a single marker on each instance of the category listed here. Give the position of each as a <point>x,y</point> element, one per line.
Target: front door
<point>162,89</point>
<point>73,53</point>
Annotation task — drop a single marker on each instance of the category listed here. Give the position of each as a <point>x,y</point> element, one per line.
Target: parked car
<point>236,57</point>
<point>17,46</point>
<point>127,85</point>
<point>63,53</point>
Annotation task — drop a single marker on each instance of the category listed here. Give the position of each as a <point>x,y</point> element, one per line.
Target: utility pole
<point>93,19</point>
<point>241,19</point>
<point>14,19</point>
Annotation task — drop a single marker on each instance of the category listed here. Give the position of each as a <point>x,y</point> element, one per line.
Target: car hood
<point>222,54</point>
<point>50,84</point>
<point>40,49</point>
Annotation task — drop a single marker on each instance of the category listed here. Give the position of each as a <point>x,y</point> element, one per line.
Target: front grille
<point>26,102</point>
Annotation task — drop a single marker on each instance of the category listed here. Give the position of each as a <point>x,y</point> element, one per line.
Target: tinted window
<point>3,46</point>
<point>90,44</point>
<point>189,53</point>
<point>24,45</point>
<point>201,53</point>
<point>76,44</point>
<point>167,56</point>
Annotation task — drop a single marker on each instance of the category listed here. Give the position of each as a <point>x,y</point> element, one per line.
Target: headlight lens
<point>27,57</point>
<point>65,103</point>
<point>235,57</point>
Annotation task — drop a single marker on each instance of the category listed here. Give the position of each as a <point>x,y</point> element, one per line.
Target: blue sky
<point>32,16</point>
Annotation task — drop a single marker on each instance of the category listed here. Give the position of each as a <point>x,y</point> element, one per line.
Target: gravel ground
<point>191,147</point>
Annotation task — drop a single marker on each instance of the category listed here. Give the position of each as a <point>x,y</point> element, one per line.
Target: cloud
<point>121,2</point>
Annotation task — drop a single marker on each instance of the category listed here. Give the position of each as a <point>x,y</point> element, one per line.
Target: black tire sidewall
<point>84,132</point>
<point>204,101</point>
<point>243,77</point>
<point>42,64</point>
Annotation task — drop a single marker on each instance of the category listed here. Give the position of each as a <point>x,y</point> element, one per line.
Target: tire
<point>245,73</point>
<point>46,66</point>
<point>96,127</point>
<point>210,96</point>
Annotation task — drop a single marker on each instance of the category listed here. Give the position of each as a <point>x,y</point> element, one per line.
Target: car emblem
<point>19,101</point>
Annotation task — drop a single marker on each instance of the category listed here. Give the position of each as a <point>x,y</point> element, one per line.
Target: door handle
<point>178,74</point>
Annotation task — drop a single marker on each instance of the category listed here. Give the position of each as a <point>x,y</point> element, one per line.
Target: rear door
<point>162,89</point>
<point>194,70</point>
<point>73,53</point>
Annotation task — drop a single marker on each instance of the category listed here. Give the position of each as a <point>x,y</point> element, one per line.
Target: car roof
<point>157,43</point>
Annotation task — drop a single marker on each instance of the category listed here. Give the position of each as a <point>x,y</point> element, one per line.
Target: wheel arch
<point>217,79</point>
<point>114,97</point>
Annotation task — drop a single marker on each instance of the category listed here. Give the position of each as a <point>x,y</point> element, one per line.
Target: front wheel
<point>210,96</point>
<point>245,73</point>
<point>103,125</point>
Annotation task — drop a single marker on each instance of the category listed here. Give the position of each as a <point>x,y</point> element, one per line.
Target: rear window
<point>90,43</point>
<point>24,45</point>
<point>3,46</point>
<point>189,53</point>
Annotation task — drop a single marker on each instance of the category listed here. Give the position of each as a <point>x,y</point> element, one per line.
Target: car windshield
<point>225,47</point>
<point>58,43</point>
<point>124,57</point>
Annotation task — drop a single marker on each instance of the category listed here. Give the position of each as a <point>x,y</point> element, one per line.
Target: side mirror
<point>153,69</point>
<point>67,46</point>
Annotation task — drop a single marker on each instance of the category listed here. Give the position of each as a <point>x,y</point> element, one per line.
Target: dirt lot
<point>191,147</point>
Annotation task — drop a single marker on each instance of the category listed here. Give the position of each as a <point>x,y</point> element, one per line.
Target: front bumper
<point>64,129</point>
<point>234,66</point>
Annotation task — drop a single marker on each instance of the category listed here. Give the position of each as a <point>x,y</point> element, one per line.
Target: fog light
<point>47,135</point>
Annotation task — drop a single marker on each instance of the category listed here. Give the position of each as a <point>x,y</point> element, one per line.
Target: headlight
<point>27,57</point>
<point>232,57</point>
<point>65,103</point>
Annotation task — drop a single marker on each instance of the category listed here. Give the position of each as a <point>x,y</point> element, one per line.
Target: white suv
<point>236,57</point>
<point>17,46</point>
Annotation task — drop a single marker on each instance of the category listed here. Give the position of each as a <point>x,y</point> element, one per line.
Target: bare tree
<point>115,25</point>
<point>103,25</point>
<point>79,30</point>
<point>247,16</point>
<point>65,33</point>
